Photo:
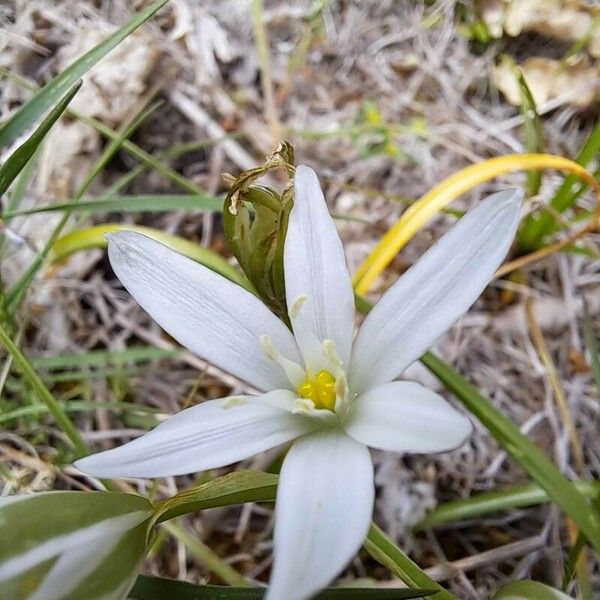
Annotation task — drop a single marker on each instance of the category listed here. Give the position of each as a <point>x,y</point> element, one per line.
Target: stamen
<point>268,348</point>
<point>303,406</point>
<point>332,355</point>
<point>341,393</point>
<point>306,408</point>
<point>294,372</point>
<point>234,401</point>
<point>296,306</point>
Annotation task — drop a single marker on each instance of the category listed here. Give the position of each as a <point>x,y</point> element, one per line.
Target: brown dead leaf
<point>575,81</point>
<point>567,20</point>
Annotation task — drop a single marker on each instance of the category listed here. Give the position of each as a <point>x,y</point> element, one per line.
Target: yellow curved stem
<point>444,193</point>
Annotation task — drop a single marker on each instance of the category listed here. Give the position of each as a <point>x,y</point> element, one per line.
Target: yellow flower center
<point>320,389</point>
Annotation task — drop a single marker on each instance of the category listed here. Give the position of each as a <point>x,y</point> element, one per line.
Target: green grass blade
<point>384,551</point>
<point>576,564</point>
<point>143,156</point>
<point>140,203</point>
<point>113,147</point>
<point>25,116</point>
<point>537,226</point>
<point>87,375</point>
<point>570,569</point>
<point>18,190</point>
<point>102,358</point>
<point>172,152</point>
<point>533,136</point>
<point>17,292</point>
<point>520,496</point>
<point>74,406</point>
<point>147,160</point>
<point>15,163</point>
<point>44,394</point>
<point>529,456</point>
<point>156,588</point>
<point>206,556</point>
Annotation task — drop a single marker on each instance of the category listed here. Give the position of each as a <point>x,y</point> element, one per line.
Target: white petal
<point>432,295</point>
<point>210,435</point>
<point>210,315</point>
<point>404,416</point>
<point>315,267</point>
<point>324,506</point>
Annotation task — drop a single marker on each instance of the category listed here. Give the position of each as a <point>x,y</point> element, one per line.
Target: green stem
<point>207,557</point>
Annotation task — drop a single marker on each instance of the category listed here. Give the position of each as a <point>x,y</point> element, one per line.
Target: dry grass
<point>432,87</point>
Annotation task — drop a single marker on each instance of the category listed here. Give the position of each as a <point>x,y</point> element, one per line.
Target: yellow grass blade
<point>444,193</point>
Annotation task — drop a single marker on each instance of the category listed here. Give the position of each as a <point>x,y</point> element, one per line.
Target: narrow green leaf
<point>15,163</point>
<point>581,251</point>
<point>156,588</point>
<point>88,375</point>
<point>383,550</point>
<point>236,488</point>
<point>101,536</point>
<point>83,406</point>
<point>43,393</point>
<point>529,590</point>
<point>537,226</point>
<point>140,203</point>
<point>570,568</point>
<point>533,134</point>
<point>520,496</point>
<point>102,357</point>
<point>141,155</point>
<point>17,292</point>
<point>529,456</point>
<point>255,486</point>
<point>172,152</point>
<point>147,160</point>
<point>18,190</point>
<point>115,144</point>
<point>24,518</point>
<point>576,564</point>
<point>30,112</point>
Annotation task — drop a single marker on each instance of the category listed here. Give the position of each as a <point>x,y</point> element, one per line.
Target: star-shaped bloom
<point>334,393</point>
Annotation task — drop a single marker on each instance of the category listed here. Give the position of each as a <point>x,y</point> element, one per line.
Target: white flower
<point>335,395</point>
